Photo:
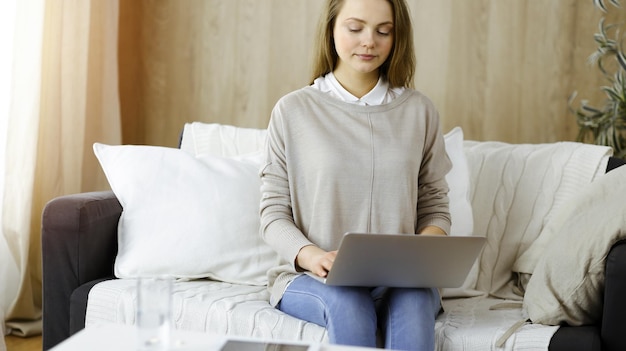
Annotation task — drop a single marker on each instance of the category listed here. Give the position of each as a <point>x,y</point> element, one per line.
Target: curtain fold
<point>8,267</point>
<point>20,144</point>
<point>64,98</point>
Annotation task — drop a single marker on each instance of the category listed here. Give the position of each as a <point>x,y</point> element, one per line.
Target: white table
<point>107,337</point>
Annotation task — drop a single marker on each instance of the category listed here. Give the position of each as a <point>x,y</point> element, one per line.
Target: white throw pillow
<point>459,183</point>
<point>461,212</point>
<point>187,216</point>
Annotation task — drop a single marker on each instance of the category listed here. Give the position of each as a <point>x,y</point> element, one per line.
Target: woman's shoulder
<point>307,100</point>
<point>416,96</point>
<point>299,95</point>
<point>296,104</point>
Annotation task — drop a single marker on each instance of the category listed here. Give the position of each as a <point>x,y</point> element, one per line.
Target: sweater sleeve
<point>278,228</point>
<point>433,202</point>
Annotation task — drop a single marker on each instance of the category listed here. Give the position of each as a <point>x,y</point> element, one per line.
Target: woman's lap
<point>352,315</point>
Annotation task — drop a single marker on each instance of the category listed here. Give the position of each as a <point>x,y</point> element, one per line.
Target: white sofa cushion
<point>187,216</point>
<point>205,306</point>
<point>467,324</point>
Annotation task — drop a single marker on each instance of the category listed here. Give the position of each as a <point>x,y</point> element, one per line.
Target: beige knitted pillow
<point>567,282</point>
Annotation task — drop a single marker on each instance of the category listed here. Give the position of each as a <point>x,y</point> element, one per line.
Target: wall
<point>501,69</point>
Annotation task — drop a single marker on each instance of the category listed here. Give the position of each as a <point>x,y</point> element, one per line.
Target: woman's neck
<point>357,84</point>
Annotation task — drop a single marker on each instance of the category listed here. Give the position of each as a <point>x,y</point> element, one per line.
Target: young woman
<point>358,150</point>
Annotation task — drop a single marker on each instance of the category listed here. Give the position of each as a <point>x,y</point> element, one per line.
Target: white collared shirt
<point>380,94</point>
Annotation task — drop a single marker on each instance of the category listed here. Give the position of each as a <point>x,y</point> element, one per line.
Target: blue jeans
<point>351,315</point>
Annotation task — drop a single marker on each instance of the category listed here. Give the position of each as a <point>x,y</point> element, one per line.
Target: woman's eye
<point>354,30</point>
<point>385,30</point>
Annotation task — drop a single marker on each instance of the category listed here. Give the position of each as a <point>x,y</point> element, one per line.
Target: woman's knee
<point>417,300</point>
<point>315,302</point>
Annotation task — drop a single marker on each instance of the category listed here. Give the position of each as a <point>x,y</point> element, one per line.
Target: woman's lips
<point>366,57</point>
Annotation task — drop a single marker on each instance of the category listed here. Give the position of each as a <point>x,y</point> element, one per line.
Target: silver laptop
<point>401,260</point>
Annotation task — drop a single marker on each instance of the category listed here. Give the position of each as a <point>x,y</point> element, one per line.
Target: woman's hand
<point>316,260</point>
<point>432,230</point>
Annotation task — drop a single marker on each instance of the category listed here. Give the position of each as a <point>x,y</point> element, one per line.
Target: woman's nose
<point>368,39</point>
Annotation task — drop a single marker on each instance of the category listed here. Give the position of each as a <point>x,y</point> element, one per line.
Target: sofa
<point>549,277</point>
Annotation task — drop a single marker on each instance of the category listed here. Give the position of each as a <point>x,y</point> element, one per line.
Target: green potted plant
<point>606,124</point>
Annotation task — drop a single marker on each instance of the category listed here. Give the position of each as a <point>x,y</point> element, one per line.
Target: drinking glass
<point>154,300</point>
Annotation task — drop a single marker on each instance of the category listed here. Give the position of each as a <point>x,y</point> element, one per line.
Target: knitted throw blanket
<point>479,323</point>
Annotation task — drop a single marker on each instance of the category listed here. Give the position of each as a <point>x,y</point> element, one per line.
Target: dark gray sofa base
<point>79,244</point>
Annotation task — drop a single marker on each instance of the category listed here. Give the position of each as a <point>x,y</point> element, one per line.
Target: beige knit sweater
<point>333,167</point>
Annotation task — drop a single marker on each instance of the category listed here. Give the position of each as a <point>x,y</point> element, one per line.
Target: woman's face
<point>363,36</point>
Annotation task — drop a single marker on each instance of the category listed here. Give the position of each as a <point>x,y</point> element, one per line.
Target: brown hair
<point>399,66</point>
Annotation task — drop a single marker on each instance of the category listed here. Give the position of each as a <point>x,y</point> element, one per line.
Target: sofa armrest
<point>613,321</point>
<point>79,244</point>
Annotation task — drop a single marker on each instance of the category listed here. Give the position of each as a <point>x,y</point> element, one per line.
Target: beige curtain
<point>64,97</point>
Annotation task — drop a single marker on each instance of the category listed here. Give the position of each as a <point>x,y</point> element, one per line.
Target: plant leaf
<point>588,108</point>
<point>601,26</point>
<point>621,58</point>
<point>600,4</point>
<point>613,95</point>
<point>602,69</point>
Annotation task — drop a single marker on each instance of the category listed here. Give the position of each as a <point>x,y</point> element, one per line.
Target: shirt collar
<point>374,97</point>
